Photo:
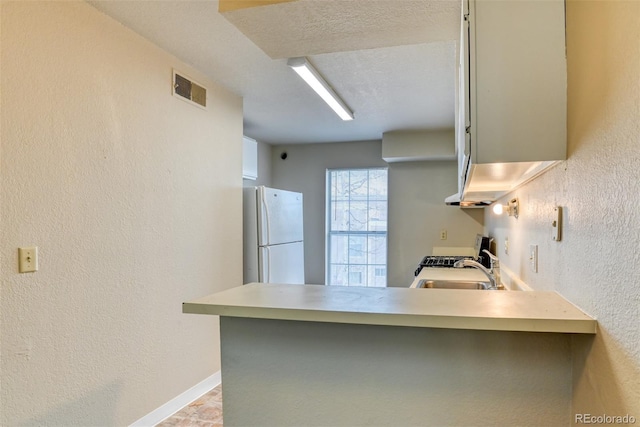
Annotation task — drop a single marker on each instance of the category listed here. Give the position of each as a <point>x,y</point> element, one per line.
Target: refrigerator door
<point>279,216</point>
<point>282,263</point>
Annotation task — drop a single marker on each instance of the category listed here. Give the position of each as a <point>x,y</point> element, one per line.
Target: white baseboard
<point>179,402</point>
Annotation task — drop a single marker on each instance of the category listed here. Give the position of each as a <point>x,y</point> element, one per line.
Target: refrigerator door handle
<point>265,229</point>
<point>267,266</point>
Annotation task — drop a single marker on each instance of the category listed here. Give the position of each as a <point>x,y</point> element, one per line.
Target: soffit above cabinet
<point>408,146</point>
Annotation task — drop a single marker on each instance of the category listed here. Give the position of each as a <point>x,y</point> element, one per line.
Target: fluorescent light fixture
<point>322,88</point>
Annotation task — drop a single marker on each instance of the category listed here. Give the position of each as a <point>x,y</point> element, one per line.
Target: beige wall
<point>596,264</point>
<point>134,200</point>
<point>416,203</point>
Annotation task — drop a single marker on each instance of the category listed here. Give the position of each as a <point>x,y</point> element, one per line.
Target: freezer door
<point>282,263</point>
<point>279,216</point>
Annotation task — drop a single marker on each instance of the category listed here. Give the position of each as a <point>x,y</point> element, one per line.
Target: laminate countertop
<point>427,308</point>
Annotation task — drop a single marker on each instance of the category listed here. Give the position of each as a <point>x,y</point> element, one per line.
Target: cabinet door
<point>518,81</point>
<point>463,126</point>
<point>249,158</point>
<point>465,65</point>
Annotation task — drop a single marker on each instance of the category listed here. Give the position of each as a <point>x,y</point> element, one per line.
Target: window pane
<point>359,184</point>
<point>339,249</point>
<point>358,213</point>
<point>357,275</point>
<point>357,249</point>
<point>378,183</point>
<point>339,216</point>
<point>377,216</point>
<point>377,276</point>
<point>377,250</point>
<point>340,185</point>
<point>339,275</point>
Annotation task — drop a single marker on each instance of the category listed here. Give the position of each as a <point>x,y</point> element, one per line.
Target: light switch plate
<point>28,259</point>
<point>533,257</point>
<point>556,224</point>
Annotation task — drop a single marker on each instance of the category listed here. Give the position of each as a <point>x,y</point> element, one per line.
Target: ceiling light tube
<point>320,86</point>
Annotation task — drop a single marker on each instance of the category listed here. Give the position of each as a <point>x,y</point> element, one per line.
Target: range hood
<point>486,183</point>
<point>454,200</point>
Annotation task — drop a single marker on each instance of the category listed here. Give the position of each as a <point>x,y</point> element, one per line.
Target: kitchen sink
<point>447,284</point>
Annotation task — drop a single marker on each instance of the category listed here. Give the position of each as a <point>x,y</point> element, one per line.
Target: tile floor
<point>203,412</point>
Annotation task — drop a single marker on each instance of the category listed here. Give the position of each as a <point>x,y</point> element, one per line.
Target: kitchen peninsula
<point>320,355</point>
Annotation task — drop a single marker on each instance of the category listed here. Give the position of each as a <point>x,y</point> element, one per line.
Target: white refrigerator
<point>273,236</point>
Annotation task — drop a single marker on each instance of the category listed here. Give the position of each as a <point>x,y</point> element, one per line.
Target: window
<point>357,227</point>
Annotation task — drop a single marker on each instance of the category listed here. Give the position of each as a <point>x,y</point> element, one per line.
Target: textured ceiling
<point>392,61</point>
<point>311,27</point>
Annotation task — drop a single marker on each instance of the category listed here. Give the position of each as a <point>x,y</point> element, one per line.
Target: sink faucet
<point>493,274</point>
<point>495,267</point>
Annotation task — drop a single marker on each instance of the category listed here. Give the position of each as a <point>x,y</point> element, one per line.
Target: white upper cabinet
<point>512,107</point>
<point>249,158</point>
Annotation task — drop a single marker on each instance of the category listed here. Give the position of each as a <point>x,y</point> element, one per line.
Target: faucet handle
<point>491,256</point>
<point>495,268</point>
<point>495,262</point>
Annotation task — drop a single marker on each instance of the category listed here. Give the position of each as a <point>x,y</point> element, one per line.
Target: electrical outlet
<point>28,259</point>
<point>533,257</point>
<point>443,234</point>
<point>506,246</point>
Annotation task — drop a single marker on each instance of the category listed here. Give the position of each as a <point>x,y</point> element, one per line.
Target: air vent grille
<point>185,88</point>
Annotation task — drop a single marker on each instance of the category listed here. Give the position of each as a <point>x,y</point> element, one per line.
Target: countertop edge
<point>509,324</point>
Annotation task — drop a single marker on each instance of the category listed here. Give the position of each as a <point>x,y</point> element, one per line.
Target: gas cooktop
<point>447,261</point>
<point>439,261</point>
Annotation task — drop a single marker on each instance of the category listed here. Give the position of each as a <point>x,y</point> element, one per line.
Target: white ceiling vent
<point>188,90</point>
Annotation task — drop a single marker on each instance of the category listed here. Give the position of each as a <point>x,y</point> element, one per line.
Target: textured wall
<point>416,203</point>
<point>596,264</point>
<point>133,198</point>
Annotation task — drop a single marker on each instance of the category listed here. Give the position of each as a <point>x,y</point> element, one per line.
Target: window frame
<point>365,233</point>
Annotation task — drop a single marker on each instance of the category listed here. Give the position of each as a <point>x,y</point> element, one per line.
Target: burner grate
<point>439,261</point>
